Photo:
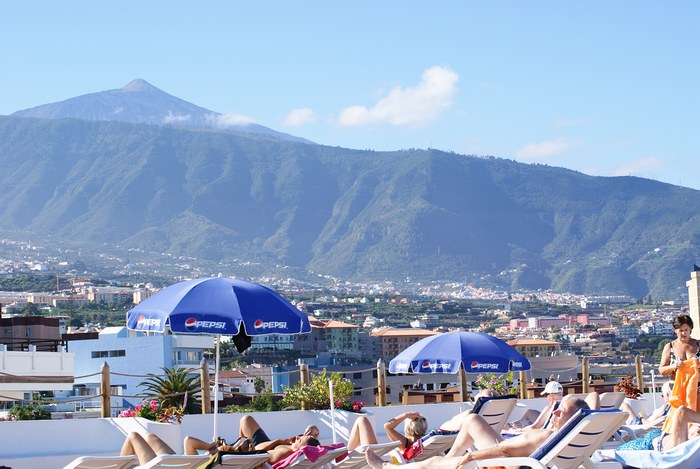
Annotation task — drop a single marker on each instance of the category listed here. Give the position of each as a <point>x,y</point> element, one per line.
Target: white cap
<point>553,388</point>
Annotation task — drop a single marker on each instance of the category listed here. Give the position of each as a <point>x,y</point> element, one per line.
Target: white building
<point>131,356</point>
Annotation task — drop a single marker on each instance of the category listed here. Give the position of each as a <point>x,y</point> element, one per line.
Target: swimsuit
<point>675,359</point>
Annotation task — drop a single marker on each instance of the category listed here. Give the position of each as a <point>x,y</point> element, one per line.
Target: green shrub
<point>316,393</point>
<point>29,412</point>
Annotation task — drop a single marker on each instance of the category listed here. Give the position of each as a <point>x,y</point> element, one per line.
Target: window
<point>117,353</point>
<point>100,354</point>
<point>357,375</point>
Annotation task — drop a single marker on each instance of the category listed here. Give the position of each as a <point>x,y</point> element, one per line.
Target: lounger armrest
<point>518,462</point>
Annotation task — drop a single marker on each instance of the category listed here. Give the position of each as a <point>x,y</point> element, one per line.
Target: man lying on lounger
<point>477,432</point>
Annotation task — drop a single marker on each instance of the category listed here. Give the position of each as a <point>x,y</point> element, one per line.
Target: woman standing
<point>678,352</point>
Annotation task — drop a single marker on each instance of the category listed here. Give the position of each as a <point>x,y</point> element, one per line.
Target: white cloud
<point>170,118</point>
<point>301,116</point>
<point>637,167</point>
<point>412,106</point>
<point>229,120</point>
<point>543,150</point>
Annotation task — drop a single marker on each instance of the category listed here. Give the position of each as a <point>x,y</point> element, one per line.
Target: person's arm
<point>390,427</point>
<point>541,419</point>
<point>665,366</point>
<point>519,446</point>
<point>268,445</point>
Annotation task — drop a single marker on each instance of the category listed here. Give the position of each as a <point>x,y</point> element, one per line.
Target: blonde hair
<point>415,428</point>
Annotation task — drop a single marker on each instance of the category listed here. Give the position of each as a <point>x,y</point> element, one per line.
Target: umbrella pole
<point>330,391</point>
<point>217,339</point>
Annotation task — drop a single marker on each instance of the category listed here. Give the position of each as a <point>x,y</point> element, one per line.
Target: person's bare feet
<point>373,461</point>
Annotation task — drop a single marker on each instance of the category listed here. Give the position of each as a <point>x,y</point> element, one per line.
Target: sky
<point>608,88</point>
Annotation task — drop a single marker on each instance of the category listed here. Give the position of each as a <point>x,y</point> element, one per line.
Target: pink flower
<point>138,408</point>
<point>356,408</point>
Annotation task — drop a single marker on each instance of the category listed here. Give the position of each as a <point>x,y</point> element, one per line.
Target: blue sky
<point>603,87</point>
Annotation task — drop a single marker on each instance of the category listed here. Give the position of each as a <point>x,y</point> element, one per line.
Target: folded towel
<point>312,453</point>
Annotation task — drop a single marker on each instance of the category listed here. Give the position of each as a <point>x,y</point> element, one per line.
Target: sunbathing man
<point>477,432</point>
<point>279,448</point>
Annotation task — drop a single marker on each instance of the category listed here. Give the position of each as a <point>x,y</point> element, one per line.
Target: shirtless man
<point>476,432</point>
<point>279,448</point>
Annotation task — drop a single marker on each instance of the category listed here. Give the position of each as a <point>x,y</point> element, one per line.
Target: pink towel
<point>312,453</point>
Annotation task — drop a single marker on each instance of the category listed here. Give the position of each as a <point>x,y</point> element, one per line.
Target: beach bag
<point>243,445</point>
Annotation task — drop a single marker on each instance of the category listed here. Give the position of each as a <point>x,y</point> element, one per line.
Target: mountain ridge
<point>368,215</point>
<point>140,102</point>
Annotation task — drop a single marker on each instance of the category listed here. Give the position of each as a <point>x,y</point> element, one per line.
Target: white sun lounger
<point>572,446</point>
<point>243,461</point>
<point>102,462</point>
<point>176,461</point>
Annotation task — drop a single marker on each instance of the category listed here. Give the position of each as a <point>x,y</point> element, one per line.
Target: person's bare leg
<point>193,445</point>
<point>437,462</point>
<point>455,423</point>
<point>361,433</point>
<point>158,445</point>
<point>136,445</point>
<point>625,407</point>
<point>678,433</point>
<point>248,426</point>
<point>593,400</point>
<point>474,432</point>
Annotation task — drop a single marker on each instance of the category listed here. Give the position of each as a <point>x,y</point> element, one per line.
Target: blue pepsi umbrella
<point>447,353</point>
<point>220,306</point>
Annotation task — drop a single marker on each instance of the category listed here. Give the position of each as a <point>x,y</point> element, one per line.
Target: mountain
<point>139,102</point>
<point>361,215</point>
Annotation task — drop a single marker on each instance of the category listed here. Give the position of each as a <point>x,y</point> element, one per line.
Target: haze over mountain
<point>363,215</point>
<point>141,102</point>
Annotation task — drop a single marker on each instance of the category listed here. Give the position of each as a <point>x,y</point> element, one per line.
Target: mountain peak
<point>139,85</point>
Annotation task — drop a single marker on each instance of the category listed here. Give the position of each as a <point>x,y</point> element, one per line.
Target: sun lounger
<point>102,462</point>
<point>176,461</point>
<point>356,459</point>
<point>611,400</point>
<point>571,446</point>
<point>495,410</point>
<point>243,461</point>
<point>685,455</point>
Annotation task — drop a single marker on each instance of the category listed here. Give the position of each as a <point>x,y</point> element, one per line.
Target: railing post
<point>304,380</point>
<point>640,372</point>
<point>463,385</point>
<point>585,375</point>
<point>206,386</point>
<point>381,384</point>
<point>522,381</point>
<point>105,392</point>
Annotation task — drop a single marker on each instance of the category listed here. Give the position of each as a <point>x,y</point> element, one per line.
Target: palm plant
<point>170,390</point>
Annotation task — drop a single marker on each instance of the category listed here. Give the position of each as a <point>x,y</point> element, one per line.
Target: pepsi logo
<point>475,364</point>
<point>145,323</point>
<point>425,364</point>
<point>190,324</point>
<point>260,324</point>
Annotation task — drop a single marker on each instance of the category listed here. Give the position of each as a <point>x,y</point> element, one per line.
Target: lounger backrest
<point>611,400</point>
<point>584,433</point>
<point>495,410</point>
<point>436,445</point>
